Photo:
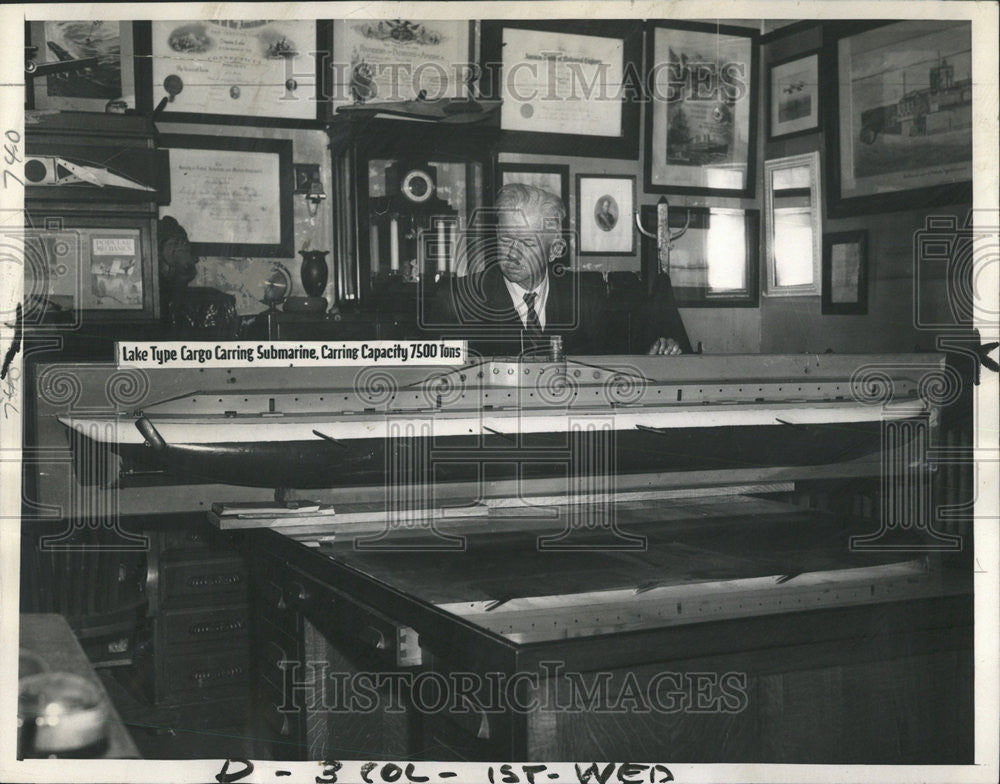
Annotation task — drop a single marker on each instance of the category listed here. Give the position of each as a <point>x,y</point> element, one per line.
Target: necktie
<point>532,325</point>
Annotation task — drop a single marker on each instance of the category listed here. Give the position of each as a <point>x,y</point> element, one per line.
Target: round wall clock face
<point>417,186</point>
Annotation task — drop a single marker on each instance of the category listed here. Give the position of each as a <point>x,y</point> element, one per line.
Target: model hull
<point>322,463</point>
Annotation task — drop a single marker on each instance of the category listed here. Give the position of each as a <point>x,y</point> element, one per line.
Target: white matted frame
<point>793,220</point>
<point>604,208</point>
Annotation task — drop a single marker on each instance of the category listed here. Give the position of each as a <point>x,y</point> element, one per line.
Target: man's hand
<point>666,346</point>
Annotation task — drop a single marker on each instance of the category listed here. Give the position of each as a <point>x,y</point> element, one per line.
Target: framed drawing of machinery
<point>902,135</point>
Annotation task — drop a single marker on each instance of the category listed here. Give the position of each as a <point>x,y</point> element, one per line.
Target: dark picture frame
<point>868,143</point>
<point>305,175</point>
<point>624,143</point>
<point>604,226</point>
<point>280,149</point>
<point>779,98</point>
<point>38,92</point>
<point>72,245</point>
<point>536,174</point>
<point>839,276</point>
<point>731,87</point>
<point>700,296</point>
<point>149,96</point>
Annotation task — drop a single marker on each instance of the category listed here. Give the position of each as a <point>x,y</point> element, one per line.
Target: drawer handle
<point>209,675</point>
<point>206,580</point>
<point>373,637</point>
<point>216,628</point>
<point>299,592</point>
<point>483,731</point>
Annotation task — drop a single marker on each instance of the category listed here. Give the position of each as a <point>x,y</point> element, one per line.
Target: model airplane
<point>53,170</point>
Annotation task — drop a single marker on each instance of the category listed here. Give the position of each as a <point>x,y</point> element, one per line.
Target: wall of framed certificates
<point>611,115</point>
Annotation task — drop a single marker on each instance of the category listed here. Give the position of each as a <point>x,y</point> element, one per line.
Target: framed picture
<point>97,268</point>
<point>845,273</point>
<point>237,72</point>
<point>232,195</point>
<point>380,60</point>
<point>306,176</point>
<point>604,208</point>
<point>553,178</point>
<point>565,85</point>
<point>794,96</point>
<point>902,133</point>
<point>702,109</point>
<point>793,224</point>
<point>108,76</point>
<point>715,263</point>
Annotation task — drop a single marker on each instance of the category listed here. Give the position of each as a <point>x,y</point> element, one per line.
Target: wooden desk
<point>878,645</point>
<point>50,637</point>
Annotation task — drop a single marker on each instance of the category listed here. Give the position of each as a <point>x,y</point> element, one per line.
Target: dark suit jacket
<point>479,309</point>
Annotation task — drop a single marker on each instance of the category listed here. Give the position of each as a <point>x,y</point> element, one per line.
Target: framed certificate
<point>232,195</point>
<point>702,111</point>
<point>568,87</point>
<point>239,72</point>
<point>384,60</point>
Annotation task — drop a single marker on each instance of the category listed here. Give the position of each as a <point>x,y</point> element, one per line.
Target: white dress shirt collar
<point>541,297</point>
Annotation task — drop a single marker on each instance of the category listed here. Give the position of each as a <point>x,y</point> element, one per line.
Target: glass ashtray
<point>60,715</point>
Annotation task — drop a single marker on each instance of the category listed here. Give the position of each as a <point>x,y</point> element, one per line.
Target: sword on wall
<point>664,237</point>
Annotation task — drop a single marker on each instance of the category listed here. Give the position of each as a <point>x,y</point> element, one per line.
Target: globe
<point>276,287</point>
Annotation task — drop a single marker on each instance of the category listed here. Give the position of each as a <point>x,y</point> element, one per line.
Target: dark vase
<point>314,271</point>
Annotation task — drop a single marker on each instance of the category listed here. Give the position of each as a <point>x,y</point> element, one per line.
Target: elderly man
<point>521,297</point>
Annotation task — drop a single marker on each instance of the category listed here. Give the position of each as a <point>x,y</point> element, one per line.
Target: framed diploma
<point>109,80</point>
<point>702,111</point>
<point>383,60</point>
<point>240,72</point>
<point>901,136</point>
<point>232,195</point>
<point>568,88</point>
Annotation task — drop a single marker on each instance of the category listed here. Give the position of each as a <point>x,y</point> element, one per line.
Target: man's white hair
<point>531,200</point>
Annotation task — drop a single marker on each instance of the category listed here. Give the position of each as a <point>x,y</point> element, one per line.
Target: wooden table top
<point>687,542</point>
<point>50,637</point>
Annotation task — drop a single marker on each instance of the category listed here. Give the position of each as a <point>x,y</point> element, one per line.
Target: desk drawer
<point>201,539</point>
<point>194,582</point>
<point>270,605</point>
<point>218,671</point>
<point>269,656</point>
<point>182,627</point>
<point>351,621</point>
